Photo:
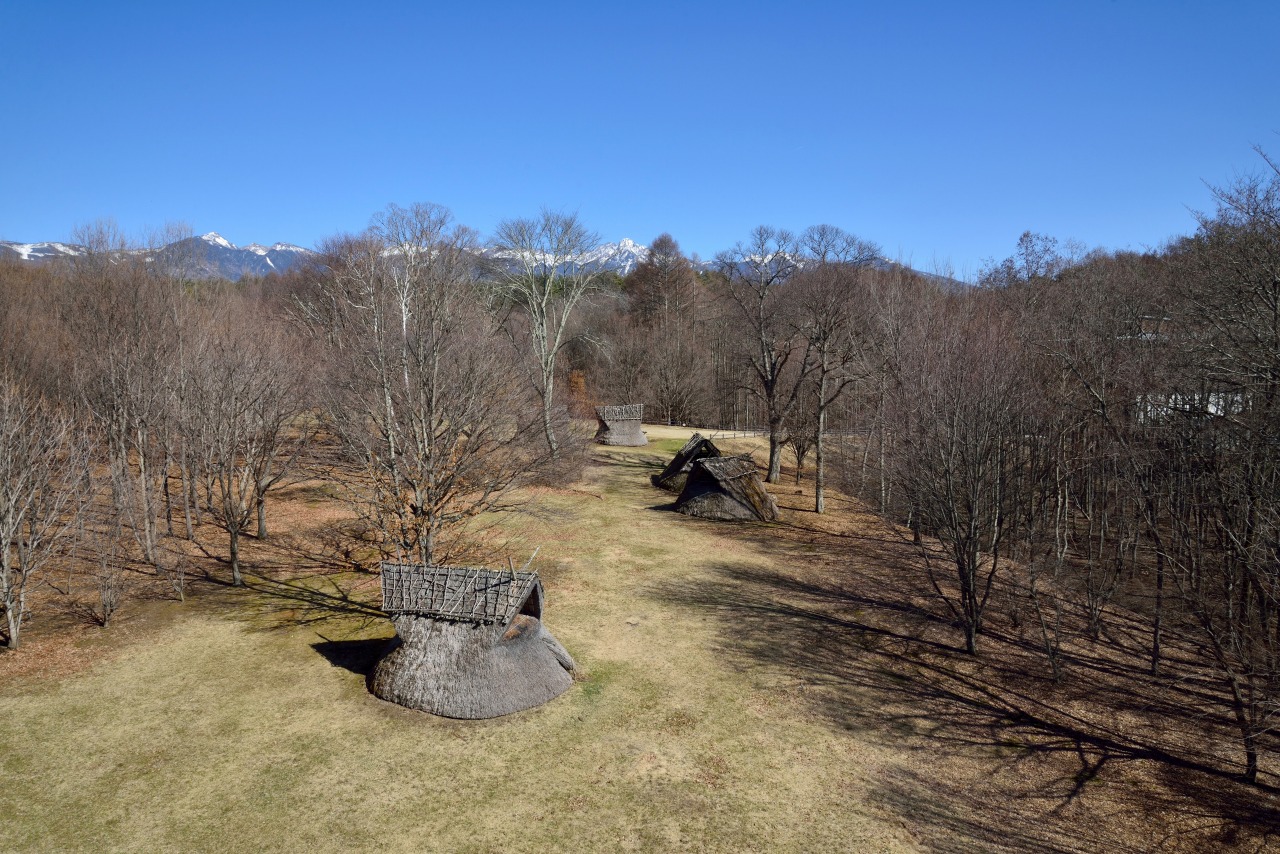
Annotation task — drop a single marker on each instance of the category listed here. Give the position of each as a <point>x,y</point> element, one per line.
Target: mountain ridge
<point>212,256</point>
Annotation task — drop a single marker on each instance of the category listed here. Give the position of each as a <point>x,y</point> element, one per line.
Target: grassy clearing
<point>249,727</point>
<point>785,687</point>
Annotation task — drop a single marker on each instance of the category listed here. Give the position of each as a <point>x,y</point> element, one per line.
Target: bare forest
<point>1081,446</point>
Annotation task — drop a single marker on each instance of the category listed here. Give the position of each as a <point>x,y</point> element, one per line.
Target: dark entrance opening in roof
<point>532,606</point>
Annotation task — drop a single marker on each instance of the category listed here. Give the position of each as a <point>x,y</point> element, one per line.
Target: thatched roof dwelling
<point>469,642</point>
<point>673,477</point>
<point>726,488</point>
<point>620,425</point>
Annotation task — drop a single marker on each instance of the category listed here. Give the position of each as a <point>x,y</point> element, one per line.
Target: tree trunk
<point>13,614</point>
<point>234,533</point>
<point>147,510</point>
<point>262,517</point>
<point>820,471</point>
<point>188,494</point>
<point>1248,737</point>
<point>775,455</point>
<point>548,397</point>
<point>1159,615</point>
<point>168,502</point>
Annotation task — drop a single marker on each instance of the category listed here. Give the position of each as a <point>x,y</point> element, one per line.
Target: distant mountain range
<point>206,257</point>
<point>212,256</point>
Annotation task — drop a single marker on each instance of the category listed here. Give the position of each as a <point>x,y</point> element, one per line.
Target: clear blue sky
<point>940,130</point>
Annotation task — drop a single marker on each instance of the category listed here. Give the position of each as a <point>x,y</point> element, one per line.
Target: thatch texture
<point>460,592</point>
<point>469,642</point>
<point>673,477</point>
<point>620,425</point>
<point>726,488</point>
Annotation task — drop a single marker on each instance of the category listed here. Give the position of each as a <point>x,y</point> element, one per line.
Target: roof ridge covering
<point>622,412</point>
<point>460,593</point>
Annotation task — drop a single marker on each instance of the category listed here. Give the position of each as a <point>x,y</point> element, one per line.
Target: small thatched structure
<point>726,488</point>
<point>620,425</point>
<point>469,642</point>
<point>673,477</point>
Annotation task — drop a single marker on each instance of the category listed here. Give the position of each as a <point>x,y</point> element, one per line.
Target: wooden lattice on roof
<point>622,412</point>
<point>460,593</point>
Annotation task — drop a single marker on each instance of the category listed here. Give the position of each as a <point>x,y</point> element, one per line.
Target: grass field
<point>738,691</point>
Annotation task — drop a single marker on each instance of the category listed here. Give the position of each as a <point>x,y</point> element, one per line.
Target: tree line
<point>1092,429</point>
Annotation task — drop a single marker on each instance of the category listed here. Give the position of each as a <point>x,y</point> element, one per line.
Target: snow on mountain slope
<point>213,256</point>
<point>41,251</point>
<point>218,240</point>
<point>208,256</point>
<point>621,257</point>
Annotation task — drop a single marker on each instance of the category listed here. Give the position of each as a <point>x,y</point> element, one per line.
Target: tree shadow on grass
<point>1017,762</point>
<point>344,601</point>
<point>632,461</point>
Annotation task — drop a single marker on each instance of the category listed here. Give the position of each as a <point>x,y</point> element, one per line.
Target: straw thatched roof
<point>620,425</point>
<point>469,642</point>
<point>673,477</point>
<point>726,488</point>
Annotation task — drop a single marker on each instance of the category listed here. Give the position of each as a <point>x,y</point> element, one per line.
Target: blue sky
<point>941,131</point>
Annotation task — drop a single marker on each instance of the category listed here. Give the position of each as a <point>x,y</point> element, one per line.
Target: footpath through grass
<point>247,726</point>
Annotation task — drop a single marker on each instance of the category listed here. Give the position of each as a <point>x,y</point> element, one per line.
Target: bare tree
<point>828,244</point>
<point>832,300</point>
<point>542,273</point>
<point>247,391</point>
<point>754,273</point>
<point>667,302</point>
<point>967,453</point>
<point>424,395</point>
<point>1223,448</point>
<point>43,469</point>
<point>122,320</point>
<point>109,566</point>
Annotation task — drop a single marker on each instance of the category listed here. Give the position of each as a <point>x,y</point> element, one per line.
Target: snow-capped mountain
<point>621,257</point>
<point>206,257</point>
<point>213,256</point>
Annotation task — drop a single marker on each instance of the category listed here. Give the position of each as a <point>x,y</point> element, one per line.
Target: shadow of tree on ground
<point>1010,760</point>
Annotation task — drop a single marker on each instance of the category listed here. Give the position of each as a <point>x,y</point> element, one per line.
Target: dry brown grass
<point>745,687</point>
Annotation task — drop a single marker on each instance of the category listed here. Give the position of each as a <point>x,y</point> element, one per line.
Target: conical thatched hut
<point>620,425</point>
<point>726,488</point>
<point>673,477</point>
<point>469,642</point>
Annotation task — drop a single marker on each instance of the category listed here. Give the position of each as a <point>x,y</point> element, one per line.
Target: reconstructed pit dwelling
<point>469,642</point>
<point>673,477</point>
<point>727,489</point>
<point>620,425</point>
